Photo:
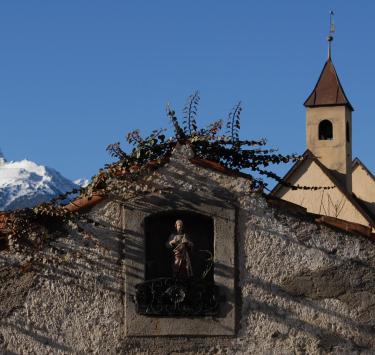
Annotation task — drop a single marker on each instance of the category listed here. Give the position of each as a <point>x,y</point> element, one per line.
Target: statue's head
<point>179,225</point>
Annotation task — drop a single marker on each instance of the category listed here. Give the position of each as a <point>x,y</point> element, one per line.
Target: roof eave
<point>348,105</point>
<point>339,87</point>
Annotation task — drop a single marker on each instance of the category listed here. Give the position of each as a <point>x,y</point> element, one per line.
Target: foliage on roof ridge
<point>209,143</point>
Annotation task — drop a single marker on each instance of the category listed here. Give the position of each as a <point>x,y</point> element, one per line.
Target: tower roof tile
<point>328,90</point>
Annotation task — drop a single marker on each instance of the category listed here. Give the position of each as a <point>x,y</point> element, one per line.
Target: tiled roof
<point>213,165</point>
<point>83,204</point>
<point>351,197</point>
<point>3,220</point>
<point>357,162</point>
<point>328,90</point>
<point>333,222</point>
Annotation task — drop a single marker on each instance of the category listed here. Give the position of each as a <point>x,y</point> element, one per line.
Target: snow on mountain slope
<point>26,184</point>
<point>83,182</point>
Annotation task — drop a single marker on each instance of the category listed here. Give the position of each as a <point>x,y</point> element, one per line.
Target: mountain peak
<point>2,158</point>
<point>25,184</point>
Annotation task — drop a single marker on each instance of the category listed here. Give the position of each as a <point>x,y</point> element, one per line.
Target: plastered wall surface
<point>331,202</point>
<point>336,153</point>
<point>364,186</point>
<point>300,288</point>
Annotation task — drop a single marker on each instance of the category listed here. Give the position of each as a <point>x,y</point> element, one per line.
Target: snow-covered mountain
<point>82,182</point>
<point>26,184</point>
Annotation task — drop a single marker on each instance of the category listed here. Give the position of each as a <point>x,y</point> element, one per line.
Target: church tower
<point>332,185</point>
<point>329,123</point>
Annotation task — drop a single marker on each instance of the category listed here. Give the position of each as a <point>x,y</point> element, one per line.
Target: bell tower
<point>329,122</point>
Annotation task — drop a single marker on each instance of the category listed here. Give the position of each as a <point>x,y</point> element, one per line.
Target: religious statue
<point>181,247</point>
<point>181,294</point>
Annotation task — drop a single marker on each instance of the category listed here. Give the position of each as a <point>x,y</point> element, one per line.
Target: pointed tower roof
<point>328,90</point>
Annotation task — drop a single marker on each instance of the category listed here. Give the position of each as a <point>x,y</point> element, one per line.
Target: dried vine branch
<point>148,153</point>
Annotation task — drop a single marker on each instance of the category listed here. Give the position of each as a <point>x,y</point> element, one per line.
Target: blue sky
<point>77,75</point>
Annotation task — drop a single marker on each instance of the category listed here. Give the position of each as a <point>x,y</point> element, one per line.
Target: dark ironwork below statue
<point>169,296</point>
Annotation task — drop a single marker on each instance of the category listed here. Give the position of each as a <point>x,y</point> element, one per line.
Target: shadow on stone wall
<point>293,319</point>
<point>335,303</point>
<point>62,281</point>
<point>35,333</point>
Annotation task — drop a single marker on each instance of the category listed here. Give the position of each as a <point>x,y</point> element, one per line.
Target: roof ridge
<point>351,197</point>
<point>358,161</point>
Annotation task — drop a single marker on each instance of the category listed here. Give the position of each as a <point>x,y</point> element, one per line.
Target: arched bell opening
<point>325,130</point>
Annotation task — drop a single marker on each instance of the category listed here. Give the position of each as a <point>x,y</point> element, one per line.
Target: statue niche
<point>178,266</point>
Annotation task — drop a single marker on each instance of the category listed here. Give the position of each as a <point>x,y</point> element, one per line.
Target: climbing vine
<point>147,153</point>
<point>210,143</point>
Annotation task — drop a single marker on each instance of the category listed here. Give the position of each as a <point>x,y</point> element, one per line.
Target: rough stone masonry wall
<point>302,288</point>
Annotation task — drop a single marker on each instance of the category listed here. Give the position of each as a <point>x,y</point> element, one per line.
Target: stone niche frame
<point>224,217</point>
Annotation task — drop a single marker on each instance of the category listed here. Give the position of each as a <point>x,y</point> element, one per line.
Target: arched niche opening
<point>325,130</point>
<point>159,256</point>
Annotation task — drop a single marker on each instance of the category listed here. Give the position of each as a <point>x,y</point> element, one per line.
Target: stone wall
<point>300,287</point>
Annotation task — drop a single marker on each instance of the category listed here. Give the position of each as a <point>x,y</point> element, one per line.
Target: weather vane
<point>331,32</point>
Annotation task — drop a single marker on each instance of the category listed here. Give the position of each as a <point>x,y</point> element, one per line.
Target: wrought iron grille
<point>168,296</point>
